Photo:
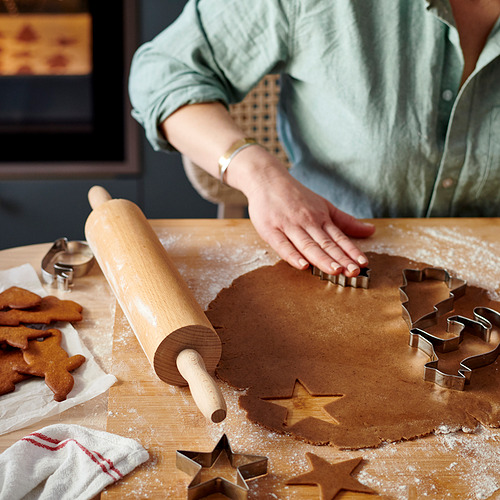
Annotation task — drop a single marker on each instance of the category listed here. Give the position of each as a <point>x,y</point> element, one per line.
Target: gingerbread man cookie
<point>11,360</point>
<point>21,355</point>
<point>50,309</point>
<point>18,336</point>
<point>18,298</point>
<point>48,359</point>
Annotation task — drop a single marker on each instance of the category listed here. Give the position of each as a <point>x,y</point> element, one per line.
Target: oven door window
<point>62,90</point>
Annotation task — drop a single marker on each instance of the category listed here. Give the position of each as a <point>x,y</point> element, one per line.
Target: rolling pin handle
<point>205,391</point>
<point>97,196</point>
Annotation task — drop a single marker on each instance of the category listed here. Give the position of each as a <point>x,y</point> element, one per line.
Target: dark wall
<point>168,190</point>
<point>41,210</point>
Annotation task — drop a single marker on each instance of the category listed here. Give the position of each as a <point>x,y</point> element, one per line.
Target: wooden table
<point>210,254</point>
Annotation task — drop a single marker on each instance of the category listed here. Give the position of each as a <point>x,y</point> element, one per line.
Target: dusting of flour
<point>390,470</point>
<point>455,249</point>
<point>217,265</point>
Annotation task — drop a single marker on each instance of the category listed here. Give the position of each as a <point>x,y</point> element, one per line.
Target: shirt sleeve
<point>217,50</point>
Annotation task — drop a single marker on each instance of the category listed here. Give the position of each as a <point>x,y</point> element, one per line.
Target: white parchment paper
<point>33,400</point>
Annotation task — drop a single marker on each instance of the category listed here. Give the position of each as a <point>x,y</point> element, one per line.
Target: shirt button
<point>447,95</point>
<point>447,183</point>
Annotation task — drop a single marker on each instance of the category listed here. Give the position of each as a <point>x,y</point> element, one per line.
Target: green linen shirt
<point>371,113</point>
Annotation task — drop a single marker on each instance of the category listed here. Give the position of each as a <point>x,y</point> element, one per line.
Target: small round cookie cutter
<point>65,261</point>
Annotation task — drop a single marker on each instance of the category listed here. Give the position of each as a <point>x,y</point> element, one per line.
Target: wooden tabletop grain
<point>209,255</point>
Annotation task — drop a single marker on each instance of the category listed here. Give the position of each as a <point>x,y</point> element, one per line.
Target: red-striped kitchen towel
<point>66,462</point>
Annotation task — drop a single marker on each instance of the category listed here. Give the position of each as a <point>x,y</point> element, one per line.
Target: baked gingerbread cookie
<point>12,366</point>
<point>18,336</point>
<point>26,352</point>
<point>46,358</point>
<point>48,310</point>
<point>18,298</point>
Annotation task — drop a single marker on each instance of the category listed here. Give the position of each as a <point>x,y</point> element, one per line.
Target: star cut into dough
<point>303,404</point>
<point>331,478</point>
<point>207,482</point>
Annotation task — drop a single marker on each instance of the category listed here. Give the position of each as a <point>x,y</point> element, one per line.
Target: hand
<point>303,227</point>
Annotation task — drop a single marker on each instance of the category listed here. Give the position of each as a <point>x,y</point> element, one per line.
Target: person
<point>388,108</point>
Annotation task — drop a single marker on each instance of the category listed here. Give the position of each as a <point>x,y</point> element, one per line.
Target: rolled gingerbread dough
<point>281,327</point>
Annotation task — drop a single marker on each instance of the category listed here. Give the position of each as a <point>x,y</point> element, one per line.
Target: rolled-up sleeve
<point>217,50</point>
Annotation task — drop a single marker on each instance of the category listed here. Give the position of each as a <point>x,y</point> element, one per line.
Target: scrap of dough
<point>279,325</point>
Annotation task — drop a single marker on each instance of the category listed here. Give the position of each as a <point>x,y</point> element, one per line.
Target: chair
<point>256,116</point>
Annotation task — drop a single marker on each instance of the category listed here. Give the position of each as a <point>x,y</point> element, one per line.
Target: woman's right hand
<point>301,226</point>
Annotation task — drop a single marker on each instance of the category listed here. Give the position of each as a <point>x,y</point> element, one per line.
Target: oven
<point>63,102</point>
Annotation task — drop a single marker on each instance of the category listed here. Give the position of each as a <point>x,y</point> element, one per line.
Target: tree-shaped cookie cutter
<point>456,286</point>
<point>481,326</point>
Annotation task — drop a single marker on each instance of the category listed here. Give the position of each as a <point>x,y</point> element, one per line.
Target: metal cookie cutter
<point>247,467</point>
<point>481,327</point>
<point>457,289</point>
<point>362,280</point>
<point>65,261</point>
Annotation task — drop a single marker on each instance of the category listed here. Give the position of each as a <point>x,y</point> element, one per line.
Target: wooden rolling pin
<point>176,336</point>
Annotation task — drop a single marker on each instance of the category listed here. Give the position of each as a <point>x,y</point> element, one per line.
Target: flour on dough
<point>279,325</point>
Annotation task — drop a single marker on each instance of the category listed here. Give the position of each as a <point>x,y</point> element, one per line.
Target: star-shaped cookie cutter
<point>247,467</point>
<point>481,326</point>
<point>457,288</point>
<point>362,280</point>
